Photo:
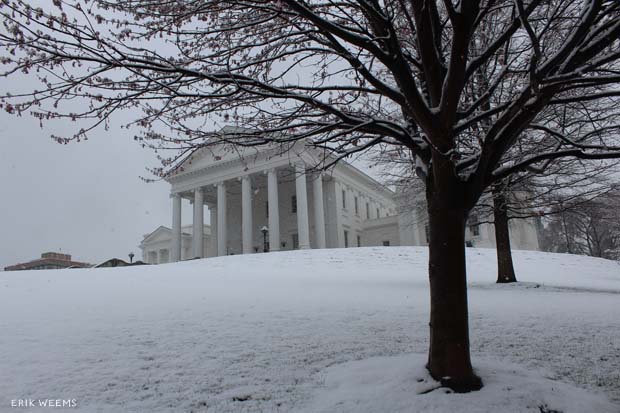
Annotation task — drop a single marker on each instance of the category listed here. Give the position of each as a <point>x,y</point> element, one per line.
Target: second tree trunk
<point>505,268</point>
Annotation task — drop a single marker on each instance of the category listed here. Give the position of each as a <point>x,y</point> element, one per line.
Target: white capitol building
<point>265,198</point>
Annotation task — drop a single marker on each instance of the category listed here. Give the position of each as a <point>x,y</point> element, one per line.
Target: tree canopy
<point>423,75</point>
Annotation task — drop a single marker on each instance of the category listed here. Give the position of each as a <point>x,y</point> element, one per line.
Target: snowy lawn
<point>322,330</point>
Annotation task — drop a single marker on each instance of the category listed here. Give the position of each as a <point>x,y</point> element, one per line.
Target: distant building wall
<point>381,232</point>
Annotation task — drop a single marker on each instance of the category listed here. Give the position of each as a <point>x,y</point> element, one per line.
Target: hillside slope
<point>258,332</point>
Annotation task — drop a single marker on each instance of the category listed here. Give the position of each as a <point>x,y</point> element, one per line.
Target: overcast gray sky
<point>85,199</point>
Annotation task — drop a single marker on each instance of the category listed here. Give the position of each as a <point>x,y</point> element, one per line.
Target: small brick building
<point>48,261</point>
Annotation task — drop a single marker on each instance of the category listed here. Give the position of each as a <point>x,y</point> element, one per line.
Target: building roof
<point>186,231</point>
<point>219,155</point>
<point>117,262</point>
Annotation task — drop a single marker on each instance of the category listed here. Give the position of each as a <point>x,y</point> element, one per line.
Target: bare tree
<point>534,194</point>
<point>343,76</point>
<point>589,226</point>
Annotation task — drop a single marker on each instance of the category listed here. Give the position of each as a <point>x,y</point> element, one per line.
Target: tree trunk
<point>449,359</point>
<point>505,268</point>
<point>566,236</point>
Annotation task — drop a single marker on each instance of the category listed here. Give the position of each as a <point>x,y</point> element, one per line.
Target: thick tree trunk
<point>505,268</point>
<point>449,359</point>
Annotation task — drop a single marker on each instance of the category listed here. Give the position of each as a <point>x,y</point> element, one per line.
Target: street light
<point>265,230</point>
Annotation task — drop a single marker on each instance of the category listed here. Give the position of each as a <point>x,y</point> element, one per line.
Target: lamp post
<point>131,257</point>
<point>265,230</point>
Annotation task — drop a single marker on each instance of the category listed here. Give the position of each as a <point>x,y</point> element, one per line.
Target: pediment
<point>160,234</point>
<point>216,155</point>
<point>225,153</point>
<point>219,154</point>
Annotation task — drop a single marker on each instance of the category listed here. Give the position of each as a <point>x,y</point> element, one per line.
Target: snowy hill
<point>307,331</point>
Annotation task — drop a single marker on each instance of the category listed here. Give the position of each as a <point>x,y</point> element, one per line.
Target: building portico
<point>248,190</point>
<point>242,203</point>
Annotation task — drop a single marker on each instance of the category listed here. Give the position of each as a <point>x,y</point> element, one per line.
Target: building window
<point>359,241</point>
<point>295,241</point>
<point>346,239</point>
<point>357,209</point>
<point>294,204</point>
<point>344,199</point>
<point>367,211</point>
<point>427,232</point>
<point>378,214</point>
<point>267,209</point>
<point>475,230</point>
<point>386,243</point>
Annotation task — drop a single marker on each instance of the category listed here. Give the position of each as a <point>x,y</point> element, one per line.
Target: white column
<point>274,210</point>
<point>198,230</point>
<point>338,224</point>
<point>414,227</point>
<point>319,211</point>
<point>175,251</point>
<point>246,214</point>
<point>213,224</point>
<point>221,219</point>
<point>302,207</point>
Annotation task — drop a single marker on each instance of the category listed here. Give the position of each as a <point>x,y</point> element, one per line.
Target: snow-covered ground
<point>322,330</point>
